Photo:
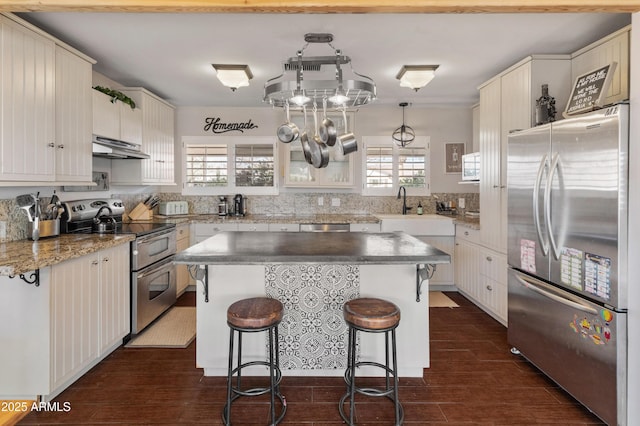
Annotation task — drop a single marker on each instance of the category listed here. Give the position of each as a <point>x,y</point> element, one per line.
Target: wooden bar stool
<point>252,316</point>
<point>373,316</point>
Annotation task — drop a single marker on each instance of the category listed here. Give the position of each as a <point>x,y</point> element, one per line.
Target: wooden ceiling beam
<point>323,6</point>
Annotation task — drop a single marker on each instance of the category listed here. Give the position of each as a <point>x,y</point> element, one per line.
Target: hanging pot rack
<point>299,92</point>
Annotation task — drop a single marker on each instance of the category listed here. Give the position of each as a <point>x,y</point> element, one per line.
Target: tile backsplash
<point>302,204</point>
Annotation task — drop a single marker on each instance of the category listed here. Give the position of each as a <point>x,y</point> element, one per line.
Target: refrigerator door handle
<point>544,245</point>
<point>547,204</point>
<point>531,285</point>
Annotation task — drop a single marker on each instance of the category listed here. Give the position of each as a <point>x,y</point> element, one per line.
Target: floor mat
<point>176,328</point>
<point>438,299</point>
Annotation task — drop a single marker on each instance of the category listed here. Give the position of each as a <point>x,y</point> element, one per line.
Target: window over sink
<point>387,166</point>
<point>223,165</point>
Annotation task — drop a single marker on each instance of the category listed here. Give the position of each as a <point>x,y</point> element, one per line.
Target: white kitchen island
<point>312,274</point>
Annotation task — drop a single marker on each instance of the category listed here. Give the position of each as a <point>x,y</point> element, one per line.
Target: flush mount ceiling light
<point>416,76</point>
<point>307,80</point>
<point>233,76</point>
<point>404,134</point>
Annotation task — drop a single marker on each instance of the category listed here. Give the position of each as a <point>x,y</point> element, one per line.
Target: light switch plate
<point>321,201</point>
<point>461,203</point>
<point>3,229</point>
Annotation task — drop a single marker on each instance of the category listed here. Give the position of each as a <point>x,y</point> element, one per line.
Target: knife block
<point>141,212</point>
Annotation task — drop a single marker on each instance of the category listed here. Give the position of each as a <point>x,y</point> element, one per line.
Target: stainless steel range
<point>153,276</point>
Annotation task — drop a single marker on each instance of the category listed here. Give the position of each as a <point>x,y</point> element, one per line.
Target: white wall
<point>634,231</point>
<point>442,125</point>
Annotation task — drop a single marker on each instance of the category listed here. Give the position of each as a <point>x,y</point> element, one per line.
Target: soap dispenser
<point>419,207</point>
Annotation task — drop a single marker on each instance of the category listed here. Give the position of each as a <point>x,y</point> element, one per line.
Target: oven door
<point>150,248</point>
<point>153,291</point>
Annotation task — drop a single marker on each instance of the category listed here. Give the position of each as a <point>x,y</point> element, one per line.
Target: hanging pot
<point>319,150</point>
<point>347,142</point>
<point>327,129</point>
<point>288,132</point>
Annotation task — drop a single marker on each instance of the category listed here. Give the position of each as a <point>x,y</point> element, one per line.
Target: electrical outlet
<point>335,202</point>
<point>321,201</point>
<point>461,203</point>
<point>3,229</point>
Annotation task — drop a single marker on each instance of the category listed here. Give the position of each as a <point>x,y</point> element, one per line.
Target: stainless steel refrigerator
<point>567,254</point>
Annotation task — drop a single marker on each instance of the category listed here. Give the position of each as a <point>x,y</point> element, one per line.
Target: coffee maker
<point>239,205</point>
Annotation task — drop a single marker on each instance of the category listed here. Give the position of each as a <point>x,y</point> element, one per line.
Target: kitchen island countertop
<point>304,247</point>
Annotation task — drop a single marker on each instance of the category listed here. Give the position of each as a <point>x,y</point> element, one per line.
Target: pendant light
<point>404,134</point>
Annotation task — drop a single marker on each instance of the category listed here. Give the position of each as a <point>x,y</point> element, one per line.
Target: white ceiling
<point>171,54</point>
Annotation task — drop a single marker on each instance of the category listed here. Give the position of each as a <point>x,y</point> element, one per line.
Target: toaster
<point>170,208</point>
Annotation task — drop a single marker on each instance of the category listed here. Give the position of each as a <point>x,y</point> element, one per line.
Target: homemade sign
<point>589,90</point>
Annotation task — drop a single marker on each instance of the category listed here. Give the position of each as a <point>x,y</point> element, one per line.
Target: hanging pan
<point>304,139</point>
<point>319,150</point>
<point>288,132</point>
<point>327,129</point>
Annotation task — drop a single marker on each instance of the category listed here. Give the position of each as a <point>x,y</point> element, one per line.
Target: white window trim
<point>386,141</point>
<point>231,142</point>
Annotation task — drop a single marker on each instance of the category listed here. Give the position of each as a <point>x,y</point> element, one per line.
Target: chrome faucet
<point>404,199</point>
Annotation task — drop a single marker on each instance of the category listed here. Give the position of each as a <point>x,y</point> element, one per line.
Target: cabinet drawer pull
<point>489,287</point>
<point>94,263</point>
<point>51,145</point>
<point>466,233</point>
<point>284,228</point>
<point>106,259</point>
<point>489,259</point>
<point>216,229</point>
<point>61,146</point>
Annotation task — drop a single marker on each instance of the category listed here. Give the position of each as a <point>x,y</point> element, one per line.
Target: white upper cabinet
<point>613,48</point>
<point>27,97</point>
<point>73,117</point>
<point>157,141</point>
<point>116,120</point>
<point>45,101</point>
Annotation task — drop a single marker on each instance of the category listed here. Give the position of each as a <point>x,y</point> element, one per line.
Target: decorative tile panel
<point>312,334</point>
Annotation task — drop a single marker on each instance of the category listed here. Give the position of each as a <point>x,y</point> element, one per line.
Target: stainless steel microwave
<point>471,167</point>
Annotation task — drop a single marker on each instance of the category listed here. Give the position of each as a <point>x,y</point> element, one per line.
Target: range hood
<point>111,148</point>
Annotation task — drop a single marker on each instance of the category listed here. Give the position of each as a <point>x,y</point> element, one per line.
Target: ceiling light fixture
<point>416,76</point>
<point>404,134</point>
<point>233,76</point>
<point>325,80</point>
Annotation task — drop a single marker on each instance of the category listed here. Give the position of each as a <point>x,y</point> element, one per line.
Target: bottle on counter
<point>419,207</point>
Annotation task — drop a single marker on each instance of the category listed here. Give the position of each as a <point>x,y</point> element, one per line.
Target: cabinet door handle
<point>51,145</point>
<point>489,287</point>
<point>489,259</point>
<point>61,146</point>
<point>466,233</point>
<point>106,259</point>
<point>94,263</point>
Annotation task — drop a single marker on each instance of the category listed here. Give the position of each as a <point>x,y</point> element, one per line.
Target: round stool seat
<point>255,312</point>
<point>371,314</point>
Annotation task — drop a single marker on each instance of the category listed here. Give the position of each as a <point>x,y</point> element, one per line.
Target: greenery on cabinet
<point>116,96</point>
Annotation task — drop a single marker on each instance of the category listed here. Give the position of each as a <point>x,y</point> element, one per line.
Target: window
<point>386,166</point>
<point>216,165</point>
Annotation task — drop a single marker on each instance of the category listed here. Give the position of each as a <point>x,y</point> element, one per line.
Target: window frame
<point>387,142</point>
<point>231,142</point>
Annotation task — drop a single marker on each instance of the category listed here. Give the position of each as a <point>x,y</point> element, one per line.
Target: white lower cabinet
<point>364,227</point>
<point>60,329</point>
<point>481,273</point>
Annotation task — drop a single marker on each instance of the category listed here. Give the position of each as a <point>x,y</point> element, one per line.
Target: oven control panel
<point>88,209</point>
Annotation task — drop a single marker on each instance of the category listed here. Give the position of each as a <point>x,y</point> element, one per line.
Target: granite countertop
<point>19,257</point>
<point>307,247</point>
<point>467,222</point>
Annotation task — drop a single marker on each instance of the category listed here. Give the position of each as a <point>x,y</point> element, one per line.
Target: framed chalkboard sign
<point>589,90</point>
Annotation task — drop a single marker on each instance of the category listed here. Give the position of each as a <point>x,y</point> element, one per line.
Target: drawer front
<point>182,232</point>
<point>364,227</point>
<point>253,227</point>
<point>494,266</point>
<point>284,227</point>
<point>468,234</point>
<point>209,229</point>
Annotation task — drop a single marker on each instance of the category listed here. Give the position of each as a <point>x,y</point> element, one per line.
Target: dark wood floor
<point>473,379</point>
